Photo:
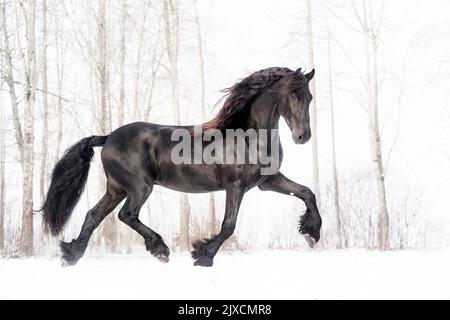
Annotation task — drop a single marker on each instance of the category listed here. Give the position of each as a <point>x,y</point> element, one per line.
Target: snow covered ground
<point>268,274</point>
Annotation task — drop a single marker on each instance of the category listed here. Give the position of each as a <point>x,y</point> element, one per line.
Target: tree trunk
<point>374,128</point>
<point>44,141</point>
<point>171,19</point>
<point>137,66</point>
<point>59,41</point>
<point>9,78</point>
<point>337,207</point>
<point>102,66</point>
<point>185,209</point>
<point>200,59</point>
<point>123,30</point>
<point>312,86</point>
<point>171,24</point>
<point>212,199</point>
<point>377,157</point>
<point>28,141</point>
<point>109,226</point>
<point>212,214</point>
<point>152,87</point>
<point>2,174</point>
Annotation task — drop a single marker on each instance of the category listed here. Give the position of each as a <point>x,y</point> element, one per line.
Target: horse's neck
<point>264,113</point>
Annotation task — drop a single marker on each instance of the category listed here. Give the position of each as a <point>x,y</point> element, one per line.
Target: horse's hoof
<point>310,240</point>
<point>309,225</point>
<point>65,264</point>
<point>158,249</point>
<point>163,258</point>
<point>204,262</point>
<point>71,253</point>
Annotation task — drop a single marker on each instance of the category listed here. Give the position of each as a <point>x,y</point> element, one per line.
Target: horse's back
<point>141,153</point>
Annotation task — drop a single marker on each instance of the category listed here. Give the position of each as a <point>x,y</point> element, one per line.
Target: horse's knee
<point>90,216</point>
<point>92,219</point>
<point>122,216</point>
<point>130,211</point>
<point>308,196</point>
<point>227,231</point>
<point>311,197</point>
<point>125,216</point>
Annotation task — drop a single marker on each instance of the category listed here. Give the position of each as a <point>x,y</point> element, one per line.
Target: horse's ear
<point>298,71</point>
<point>310,75</point>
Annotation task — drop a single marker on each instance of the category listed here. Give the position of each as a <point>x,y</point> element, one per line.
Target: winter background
<point>100,64</point>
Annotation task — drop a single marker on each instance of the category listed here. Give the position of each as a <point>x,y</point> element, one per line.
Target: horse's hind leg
<point>129,214</point>
<point>73,251</point>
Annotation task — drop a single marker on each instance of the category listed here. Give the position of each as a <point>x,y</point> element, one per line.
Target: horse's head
<point>294,101</point>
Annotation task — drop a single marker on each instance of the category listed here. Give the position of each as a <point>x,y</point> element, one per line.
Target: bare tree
<point>138,61</point>
<point>370,27</point>
<point>155,64</point>
<point>123,52</point>
<point>212,200</point>
<point>102,65</point>
<point>2,171</point>
<point>172,30</point>
<point>44,140</point>
<point>8,75</point>
<point>109,228</point>
<point>312,85</point>
<point>28,136</point>
<point>10,81</point>
<point>171,19</point>
<point>60,52</point>
<point>337,207</point>
<point>201,59</point>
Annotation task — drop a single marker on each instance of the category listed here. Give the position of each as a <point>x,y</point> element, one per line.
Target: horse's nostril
<point>300,138</point>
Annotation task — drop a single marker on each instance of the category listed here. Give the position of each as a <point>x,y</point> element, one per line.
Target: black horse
<point>137,156</point>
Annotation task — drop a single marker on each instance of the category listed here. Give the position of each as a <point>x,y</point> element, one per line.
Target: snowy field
<point>356,274</point>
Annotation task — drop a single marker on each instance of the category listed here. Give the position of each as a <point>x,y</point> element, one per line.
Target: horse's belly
<point>190,178</point>
<point>192,188</point>
<point>201,178</point>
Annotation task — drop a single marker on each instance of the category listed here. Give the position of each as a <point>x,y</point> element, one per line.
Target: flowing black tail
<point>68,180</point>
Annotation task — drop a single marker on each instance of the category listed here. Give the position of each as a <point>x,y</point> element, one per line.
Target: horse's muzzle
<point>301,137</point>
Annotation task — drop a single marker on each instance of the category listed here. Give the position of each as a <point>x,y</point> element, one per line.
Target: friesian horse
<point>137,156</point>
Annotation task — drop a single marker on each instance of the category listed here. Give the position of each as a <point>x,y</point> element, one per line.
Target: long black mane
<point>243,92</point>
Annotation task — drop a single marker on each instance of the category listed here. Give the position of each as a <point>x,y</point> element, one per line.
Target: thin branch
<point>350,60</point>
<point>339,17</point>
<point>47,92</point>
<point>362,23</point>
<point>379,20</point>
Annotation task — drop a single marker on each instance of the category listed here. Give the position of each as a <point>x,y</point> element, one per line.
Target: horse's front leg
<point>311,221</point>
<point>205,250</point>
